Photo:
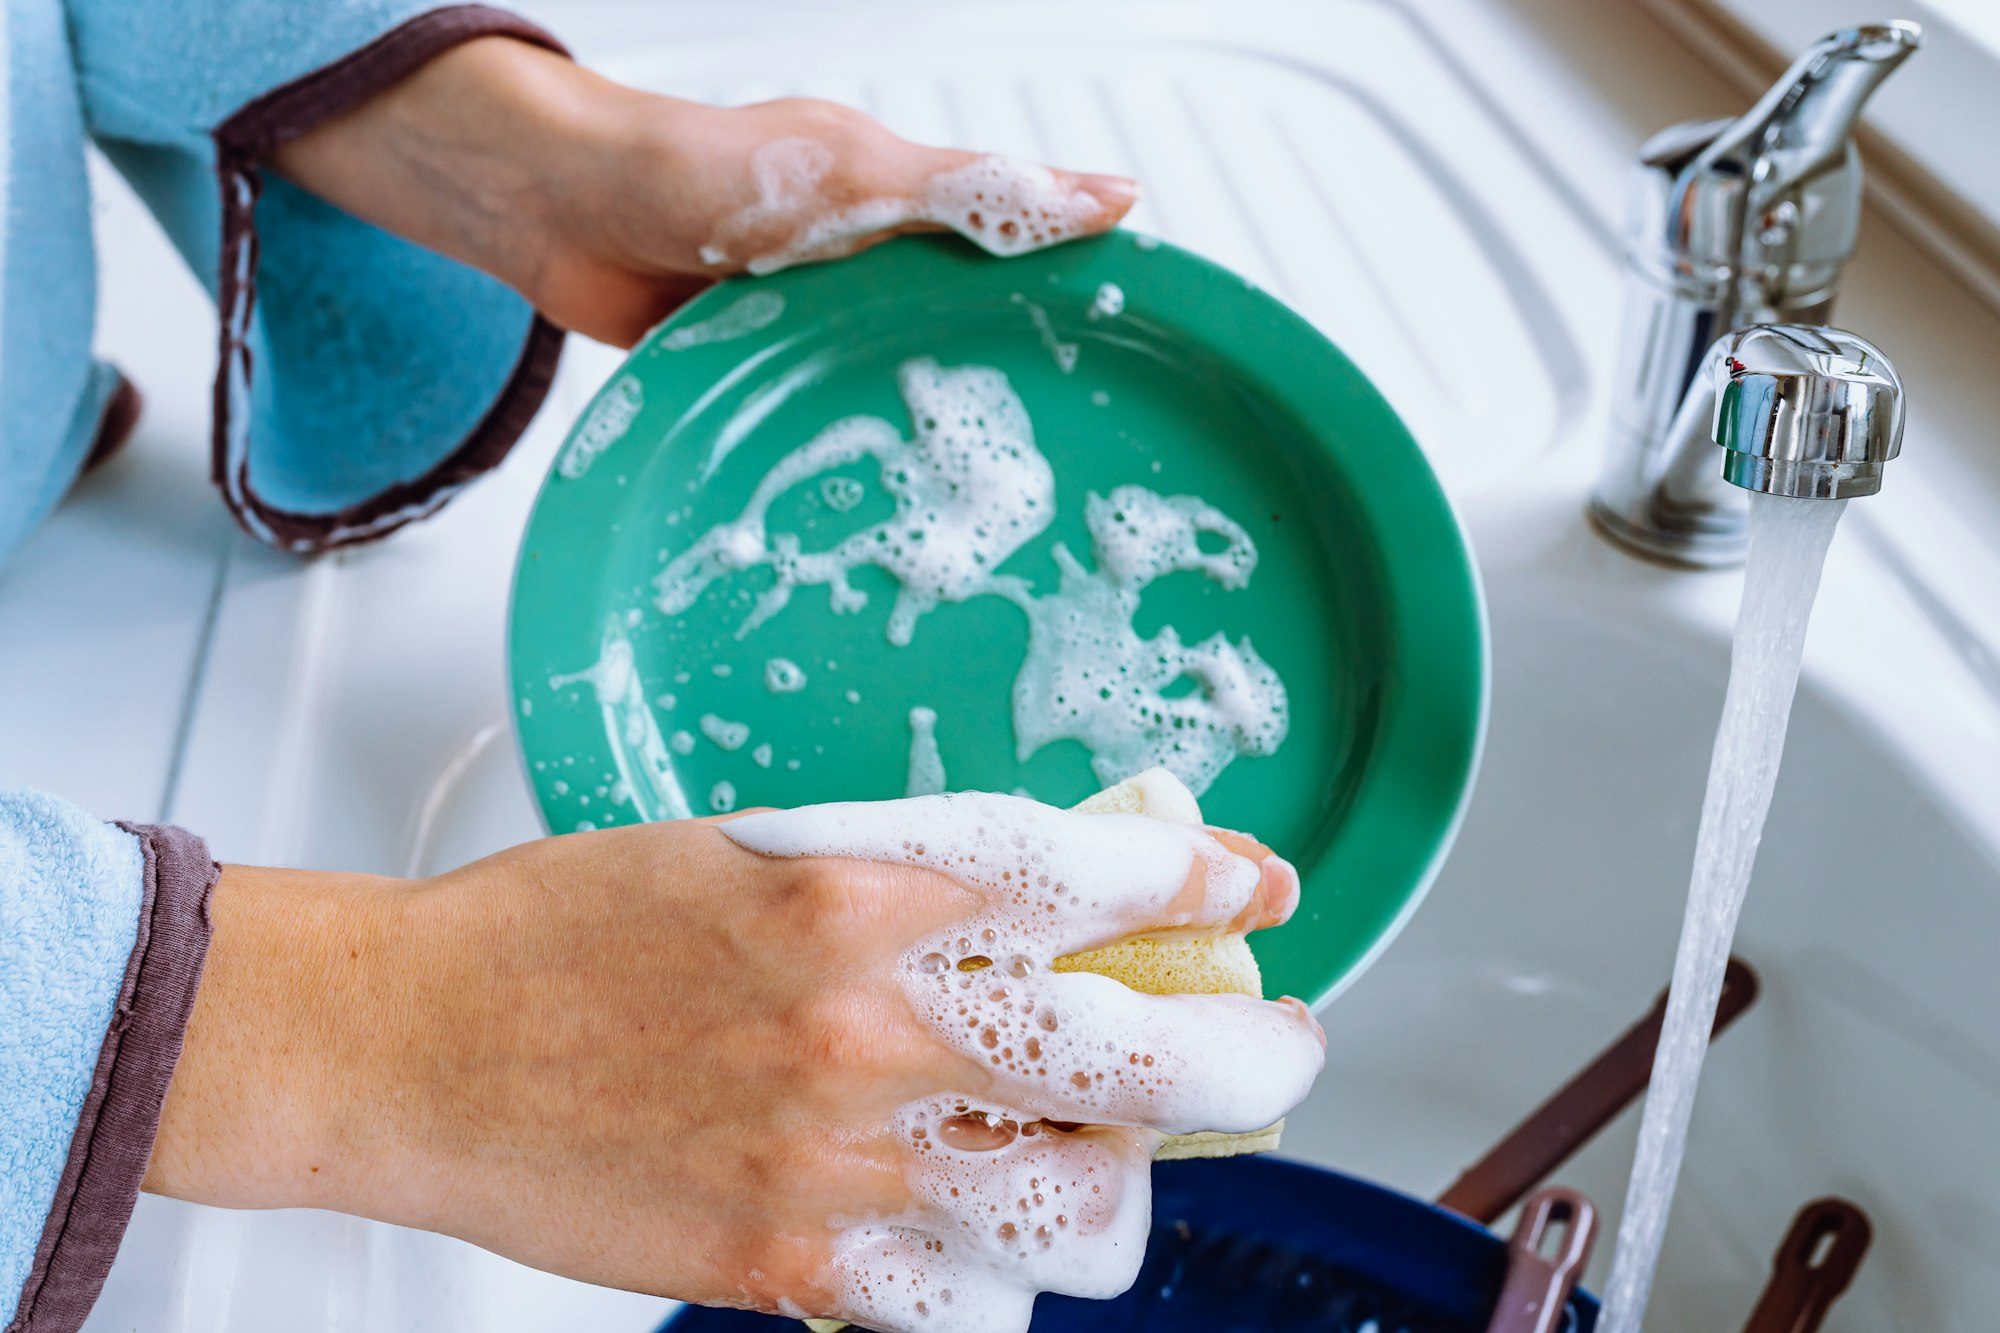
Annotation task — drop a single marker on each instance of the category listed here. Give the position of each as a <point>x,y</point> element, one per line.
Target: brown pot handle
<point>1816,1260</point>
<point>1581,1107</point>
<point>1536,1291</point>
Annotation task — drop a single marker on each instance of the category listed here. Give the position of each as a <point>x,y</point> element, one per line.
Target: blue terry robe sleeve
<point>103,930</point>
<point>53,396</point>
<point>363,380</point>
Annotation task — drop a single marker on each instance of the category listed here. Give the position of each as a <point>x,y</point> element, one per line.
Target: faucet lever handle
<point>1800,127</point>
<point>1775,187</point>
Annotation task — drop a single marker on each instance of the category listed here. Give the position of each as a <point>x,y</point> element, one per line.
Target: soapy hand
<point>609,207</point>
<point>811,1062</point>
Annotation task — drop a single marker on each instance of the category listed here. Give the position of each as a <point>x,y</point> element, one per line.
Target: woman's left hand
<point>608,208</point>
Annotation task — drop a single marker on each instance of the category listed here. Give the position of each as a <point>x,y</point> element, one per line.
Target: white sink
<point>1870,1065</point>
<point>351,712</point>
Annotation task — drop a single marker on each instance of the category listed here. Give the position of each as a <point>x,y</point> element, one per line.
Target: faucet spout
<point>1736,224</point>
<point>1806,412</point>
<point>1809,413</point>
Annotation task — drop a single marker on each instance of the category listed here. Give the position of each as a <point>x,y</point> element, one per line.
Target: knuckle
<point>828,898</point>
<point>846,1037</point>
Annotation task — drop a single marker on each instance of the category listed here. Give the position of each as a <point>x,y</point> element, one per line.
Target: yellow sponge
<point>1167,965</point>
<point>1175,965</point>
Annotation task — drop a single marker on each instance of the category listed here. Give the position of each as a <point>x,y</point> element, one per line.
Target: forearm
<point>470,156</point>
<point>285,1091</point>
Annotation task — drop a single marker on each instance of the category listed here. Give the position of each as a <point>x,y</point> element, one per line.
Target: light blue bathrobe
<point>362,382</point>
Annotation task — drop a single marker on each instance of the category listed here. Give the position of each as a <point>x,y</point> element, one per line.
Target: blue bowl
<point>1257,1244</point>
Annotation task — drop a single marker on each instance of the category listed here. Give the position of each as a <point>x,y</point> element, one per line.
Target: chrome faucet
<point>1737,224</point>
<point>1799,410</point>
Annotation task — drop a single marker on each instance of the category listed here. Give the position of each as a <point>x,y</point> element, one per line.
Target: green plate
<point>1364,598</point>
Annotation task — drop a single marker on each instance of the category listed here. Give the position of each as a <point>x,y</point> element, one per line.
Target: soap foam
<point>603,425</point>
<point>784,676</point>
<point>926,764</point>
<point>1002,204</point>
<point>743,316</point>
<point>620,694</point>
<point>970,489</point>
<point>1089,676</point>
<point>1064,354</point>
<point>1004,1203</point>
<point>723,733</point>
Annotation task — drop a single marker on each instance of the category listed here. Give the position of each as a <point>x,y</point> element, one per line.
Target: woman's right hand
<point>696,1060</point>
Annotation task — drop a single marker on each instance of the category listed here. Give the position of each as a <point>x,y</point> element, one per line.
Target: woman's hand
<point>657,1059</point>
<point>608,208</point>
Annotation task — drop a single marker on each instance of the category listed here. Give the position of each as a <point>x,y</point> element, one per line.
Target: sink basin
<point>352,712</point>
<point>1868,1068</point>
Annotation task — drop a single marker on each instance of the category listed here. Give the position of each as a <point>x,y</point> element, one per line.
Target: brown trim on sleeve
<point>115,427</point>
<point>121,1114</point>
<point>242,143</point>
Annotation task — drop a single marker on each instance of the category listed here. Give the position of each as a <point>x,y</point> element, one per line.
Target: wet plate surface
<point>1121,362</point>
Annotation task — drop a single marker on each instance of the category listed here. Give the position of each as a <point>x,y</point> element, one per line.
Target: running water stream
<point>1788,541</point>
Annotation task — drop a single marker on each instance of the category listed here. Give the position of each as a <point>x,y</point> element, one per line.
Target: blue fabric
<point>372,359</point>
<point>70,894</point>
<point>51,394</point>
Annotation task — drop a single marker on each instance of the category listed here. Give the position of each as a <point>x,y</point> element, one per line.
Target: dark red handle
<point>1816,1260</point>
<point>1538,1284</point>
<point>1581,1107</point>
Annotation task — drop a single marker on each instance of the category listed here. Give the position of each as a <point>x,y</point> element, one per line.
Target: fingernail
<point>1306,1014</point>
<point>1116,192</point>
<point>1279,888</point>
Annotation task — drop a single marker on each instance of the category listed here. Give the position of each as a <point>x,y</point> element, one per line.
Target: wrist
<point>478,154</point>
<point>290,1091</point>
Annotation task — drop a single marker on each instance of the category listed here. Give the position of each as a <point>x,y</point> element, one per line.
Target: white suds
<point>1109,303</point>
<point>723,733</point>
<point>926,764</point>
<point>609,678</point>
<point>1064,354</point>
<point>841,493</point>
<point>618,690</point>
<point>784,676</point>
<point>1088,676</point>
<point>969,490</point>
<point>681,742</point>
<point>722,797</point>
<point>1004,1205</point>
<point>1002,204</point>
<point>603,426</point>
<point>745,315</point>
<point>761,756</point>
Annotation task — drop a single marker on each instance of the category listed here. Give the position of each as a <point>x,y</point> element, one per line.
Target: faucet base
<point>1682,548</point>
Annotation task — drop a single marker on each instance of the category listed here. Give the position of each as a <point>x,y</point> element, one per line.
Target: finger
<point>1085,1048</point>
<point>1270,902</point>
<point>1054,882</point>
<point>902,1279</point>
<point>1115,197</point>
<point>1062,1211</point>
<point>1004,204</point>
<point>1118,876</point>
